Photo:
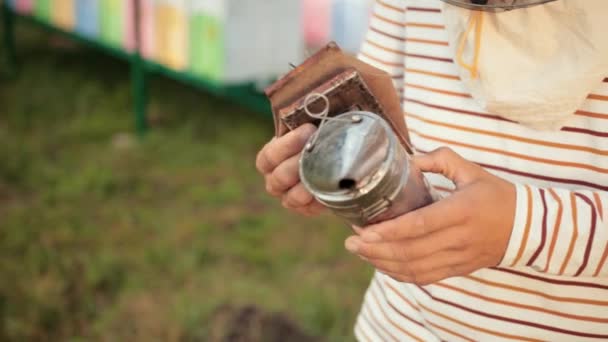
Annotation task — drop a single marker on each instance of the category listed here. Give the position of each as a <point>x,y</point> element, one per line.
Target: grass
<point>107,237</point>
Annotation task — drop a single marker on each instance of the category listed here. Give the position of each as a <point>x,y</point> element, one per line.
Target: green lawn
<point>107,237</point>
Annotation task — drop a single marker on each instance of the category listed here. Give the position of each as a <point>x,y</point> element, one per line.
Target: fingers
<point>431,277</point>
<point>301,201</point>
<point>406,250</point>
<point>429,270</point>
<point>313,209</point>
<point>280,149</point>
<point>448,163</point>
<point>417,268</point>
<point>278,161</point>
<point>297,197</point>
<point>442,214</point>
<point>285,176</point>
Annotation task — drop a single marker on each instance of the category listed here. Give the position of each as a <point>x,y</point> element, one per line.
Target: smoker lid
<point>347,155</point>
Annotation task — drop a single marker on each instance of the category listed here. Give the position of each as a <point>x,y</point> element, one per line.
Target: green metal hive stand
<point>244,94</point>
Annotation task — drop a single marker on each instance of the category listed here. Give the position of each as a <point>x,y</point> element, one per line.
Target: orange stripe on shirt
<point>543,238</point>
<point>591,234</point>
<point>430,73</point>
<point>362,331</point>
<point>400,295</point>
<point>598,204</point>
<point>600,209</point>
<point>598,97</point>
<point>512,154</point>
<point>385,297</point>
<point>379,324</point>
<point>393,323</point>
<point>602,262</point>
<point>387,20</point>
<point>431,26</point>
<point>426,41</point>
<point>556,227</point>
<point>372,321</point>
<point>386,34</point>
<point>452,332</point>
<point>524,239</point>
<point>591,114</point>
<point>396,292</point>
<point>435,90</point>
<point>382,47</point>
<point>574,234</point>
<point>477,328</point>
<point>389,6</point>
<point>522,306</point>
<point>515,320</point>
<point>537,293</point>
<point>511,136</point>
<point>397,65</point>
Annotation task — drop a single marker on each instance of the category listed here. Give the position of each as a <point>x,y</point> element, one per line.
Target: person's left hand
<point>455,236</point>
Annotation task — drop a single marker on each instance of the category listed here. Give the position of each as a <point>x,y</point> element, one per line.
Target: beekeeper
<point>506,102</point>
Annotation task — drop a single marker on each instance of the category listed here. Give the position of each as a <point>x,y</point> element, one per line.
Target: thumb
<point>448,163</point>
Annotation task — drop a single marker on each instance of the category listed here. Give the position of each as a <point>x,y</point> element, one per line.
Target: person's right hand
<point>278,162</point>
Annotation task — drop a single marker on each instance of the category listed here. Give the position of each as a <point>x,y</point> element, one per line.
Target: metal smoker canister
<point>356,167</point>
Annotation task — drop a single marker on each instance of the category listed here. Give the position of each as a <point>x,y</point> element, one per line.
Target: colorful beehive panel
<point>316,18</point>
<point>227,41</point>
<point>64,14</point>
<point>42,9</point>
<point>349,22</point>
<point>233,41</point>
<point>286,43</point>
<point>22,6</point>
<point>111,22</point>
<point>207,38</point>
<point>128,34</point>
<point>147,29</point>
<point>87,17</point>
<point>171,22</point>
<point>117,24</point>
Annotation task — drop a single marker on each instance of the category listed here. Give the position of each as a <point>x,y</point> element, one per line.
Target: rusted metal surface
<point>340,91</point>
<point>349,84</point>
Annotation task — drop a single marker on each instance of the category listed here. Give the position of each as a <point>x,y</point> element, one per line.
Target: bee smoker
<point>356,167</point>
<point>357,162</point>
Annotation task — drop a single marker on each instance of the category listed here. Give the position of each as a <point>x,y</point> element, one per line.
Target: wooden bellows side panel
<point>348,83</point>
<point>340,91</point>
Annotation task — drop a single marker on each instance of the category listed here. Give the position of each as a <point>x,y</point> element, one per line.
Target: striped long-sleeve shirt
<point>553,281</point>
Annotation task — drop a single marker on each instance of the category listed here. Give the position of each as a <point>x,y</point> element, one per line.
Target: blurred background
<point>169,236</point>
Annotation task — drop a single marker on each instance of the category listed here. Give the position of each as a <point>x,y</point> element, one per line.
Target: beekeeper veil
<point>535,61</point>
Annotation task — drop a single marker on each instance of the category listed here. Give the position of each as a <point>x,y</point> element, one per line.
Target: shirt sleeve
<point>559,232</point>
<point>384,45</point>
